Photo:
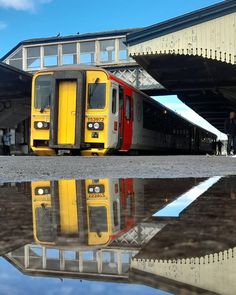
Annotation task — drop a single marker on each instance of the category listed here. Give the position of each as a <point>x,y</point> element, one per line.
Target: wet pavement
<point>27,168</point>
<point>110,235</point>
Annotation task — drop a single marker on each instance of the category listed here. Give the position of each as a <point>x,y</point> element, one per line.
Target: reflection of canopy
<point>15,94</point>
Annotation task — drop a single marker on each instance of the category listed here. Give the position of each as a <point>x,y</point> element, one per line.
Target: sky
<point>13,282</point>
<point>182,202</point>
<point>26,19</point>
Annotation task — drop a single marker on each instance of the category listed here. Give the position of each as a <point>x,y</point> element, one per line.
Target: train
<point>89,111</point>
<point>97,212</point>
<point>87,212</point>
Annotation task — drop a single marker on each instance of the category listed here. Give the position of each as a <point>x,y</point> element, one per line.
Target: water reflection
<point>108,229</point>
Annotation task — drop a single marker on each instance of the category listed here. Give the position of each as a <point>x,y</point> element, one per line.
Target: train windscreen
<point>98,219</point>
<point>45,229</point>
<point>96,95</point>
<point>43,85</point>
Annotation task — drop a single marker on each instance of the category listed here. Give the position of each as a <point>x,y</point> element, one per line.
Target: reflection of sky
<point>183,201</point>
<point>176,105</point>
<point>12,282</point>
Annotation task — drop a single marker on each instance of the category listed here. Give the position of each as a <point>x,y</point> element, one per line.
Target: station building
<point>104,49</point>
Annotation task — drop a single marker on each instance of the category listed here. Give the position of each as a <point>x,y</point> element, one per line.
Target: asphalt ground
<point>26,168</point>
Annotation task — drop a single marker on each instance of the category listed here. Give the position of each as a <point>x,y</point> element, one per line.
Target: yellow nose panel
<point>67,112</point>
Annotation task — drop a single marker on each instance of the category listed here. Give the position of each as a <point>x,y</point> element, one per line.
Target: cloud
<point>24,5</point>
<point>3,25</point>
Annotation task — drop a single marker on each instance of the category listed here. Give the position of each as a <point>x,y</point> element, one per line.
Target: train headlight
<point>96,189</point>
<point>41,125</point>
<point>95,126</point>
<point>40,191</point>
<point>90,190</point>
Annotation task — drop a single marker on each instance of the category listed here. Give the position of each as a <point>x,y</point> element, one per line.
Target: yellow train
<point>89,111</point>
<point>86,212</point>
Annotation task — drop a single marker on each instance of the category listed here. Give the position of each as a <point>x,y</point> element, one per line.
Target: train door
<point>114,116</point>
<point>127,203</point>
<point>121,116</point>
<point>66,112</point>
<point>127,120</point>
<point>68,207</point>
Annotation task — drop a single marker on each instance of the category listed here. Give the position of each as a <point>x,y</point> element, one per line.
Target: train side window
<point>128,108</point>
<point>114,100</point>
<point>121,96</point>
<point>115,213</point>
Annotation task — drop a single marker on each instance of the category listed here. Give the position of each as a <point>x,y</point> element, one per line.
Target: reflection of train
<point>92,111</point>
<point>97,212</point>
<point>90,212</point>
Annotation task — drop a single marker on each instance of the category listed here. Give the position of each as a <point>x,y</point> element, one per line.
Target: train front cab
<point>88,213</point>
<point>56,217</point>
<point>79,110</point>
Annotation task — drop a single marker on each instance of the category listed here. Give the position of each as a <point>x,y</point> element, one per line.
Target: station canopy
<point>193,56</point>
<point>15,96</point>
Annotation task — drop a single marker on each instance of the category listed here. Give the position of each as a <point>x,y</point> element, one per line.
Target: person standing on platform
<point>230,130</point>
<point>6,140</point>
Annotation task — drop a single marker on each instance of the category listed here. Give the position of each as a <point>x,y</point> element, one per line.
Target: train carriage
<point>89,111</point>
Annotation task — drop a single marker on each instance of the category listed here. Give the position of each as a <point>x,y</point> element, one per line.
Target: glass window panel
<point>123,51</point>
<point>17,63</point>
<point>114,95</point>
<point>69,56</point>
<point>96,95</point>
<point>33,57</point>
<point>50,61</point>
<point>107,51</point>
<point>128,108</point>
<point>115,213</point>
<point>17,55</point>
<point>69,48</point>
<point>43,86</point>
<point>50,55</point>
<point>87,52</point>
<point>33,63</point>
<point>87,47</point>
<point>69,59</point>
<point>51,50</point>
<point>33,52</point>
<point>98,219</point>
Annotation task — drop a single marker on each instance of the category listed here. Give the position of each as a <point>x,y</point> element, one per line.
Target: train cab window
<point>98,219</point>
<point>45,229</point>
<point>114,100</point>
<point>43,92</point>
<point>96,95</point>
<point>128,108</point>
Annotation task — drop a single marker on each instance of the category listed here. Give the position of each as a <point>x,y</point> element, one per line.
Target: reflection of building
<point>203,255</point>
<point>105,264</point>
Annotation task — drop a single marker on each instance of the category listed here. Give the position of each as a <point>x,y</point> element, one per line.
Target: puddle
<point>171,236</point>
